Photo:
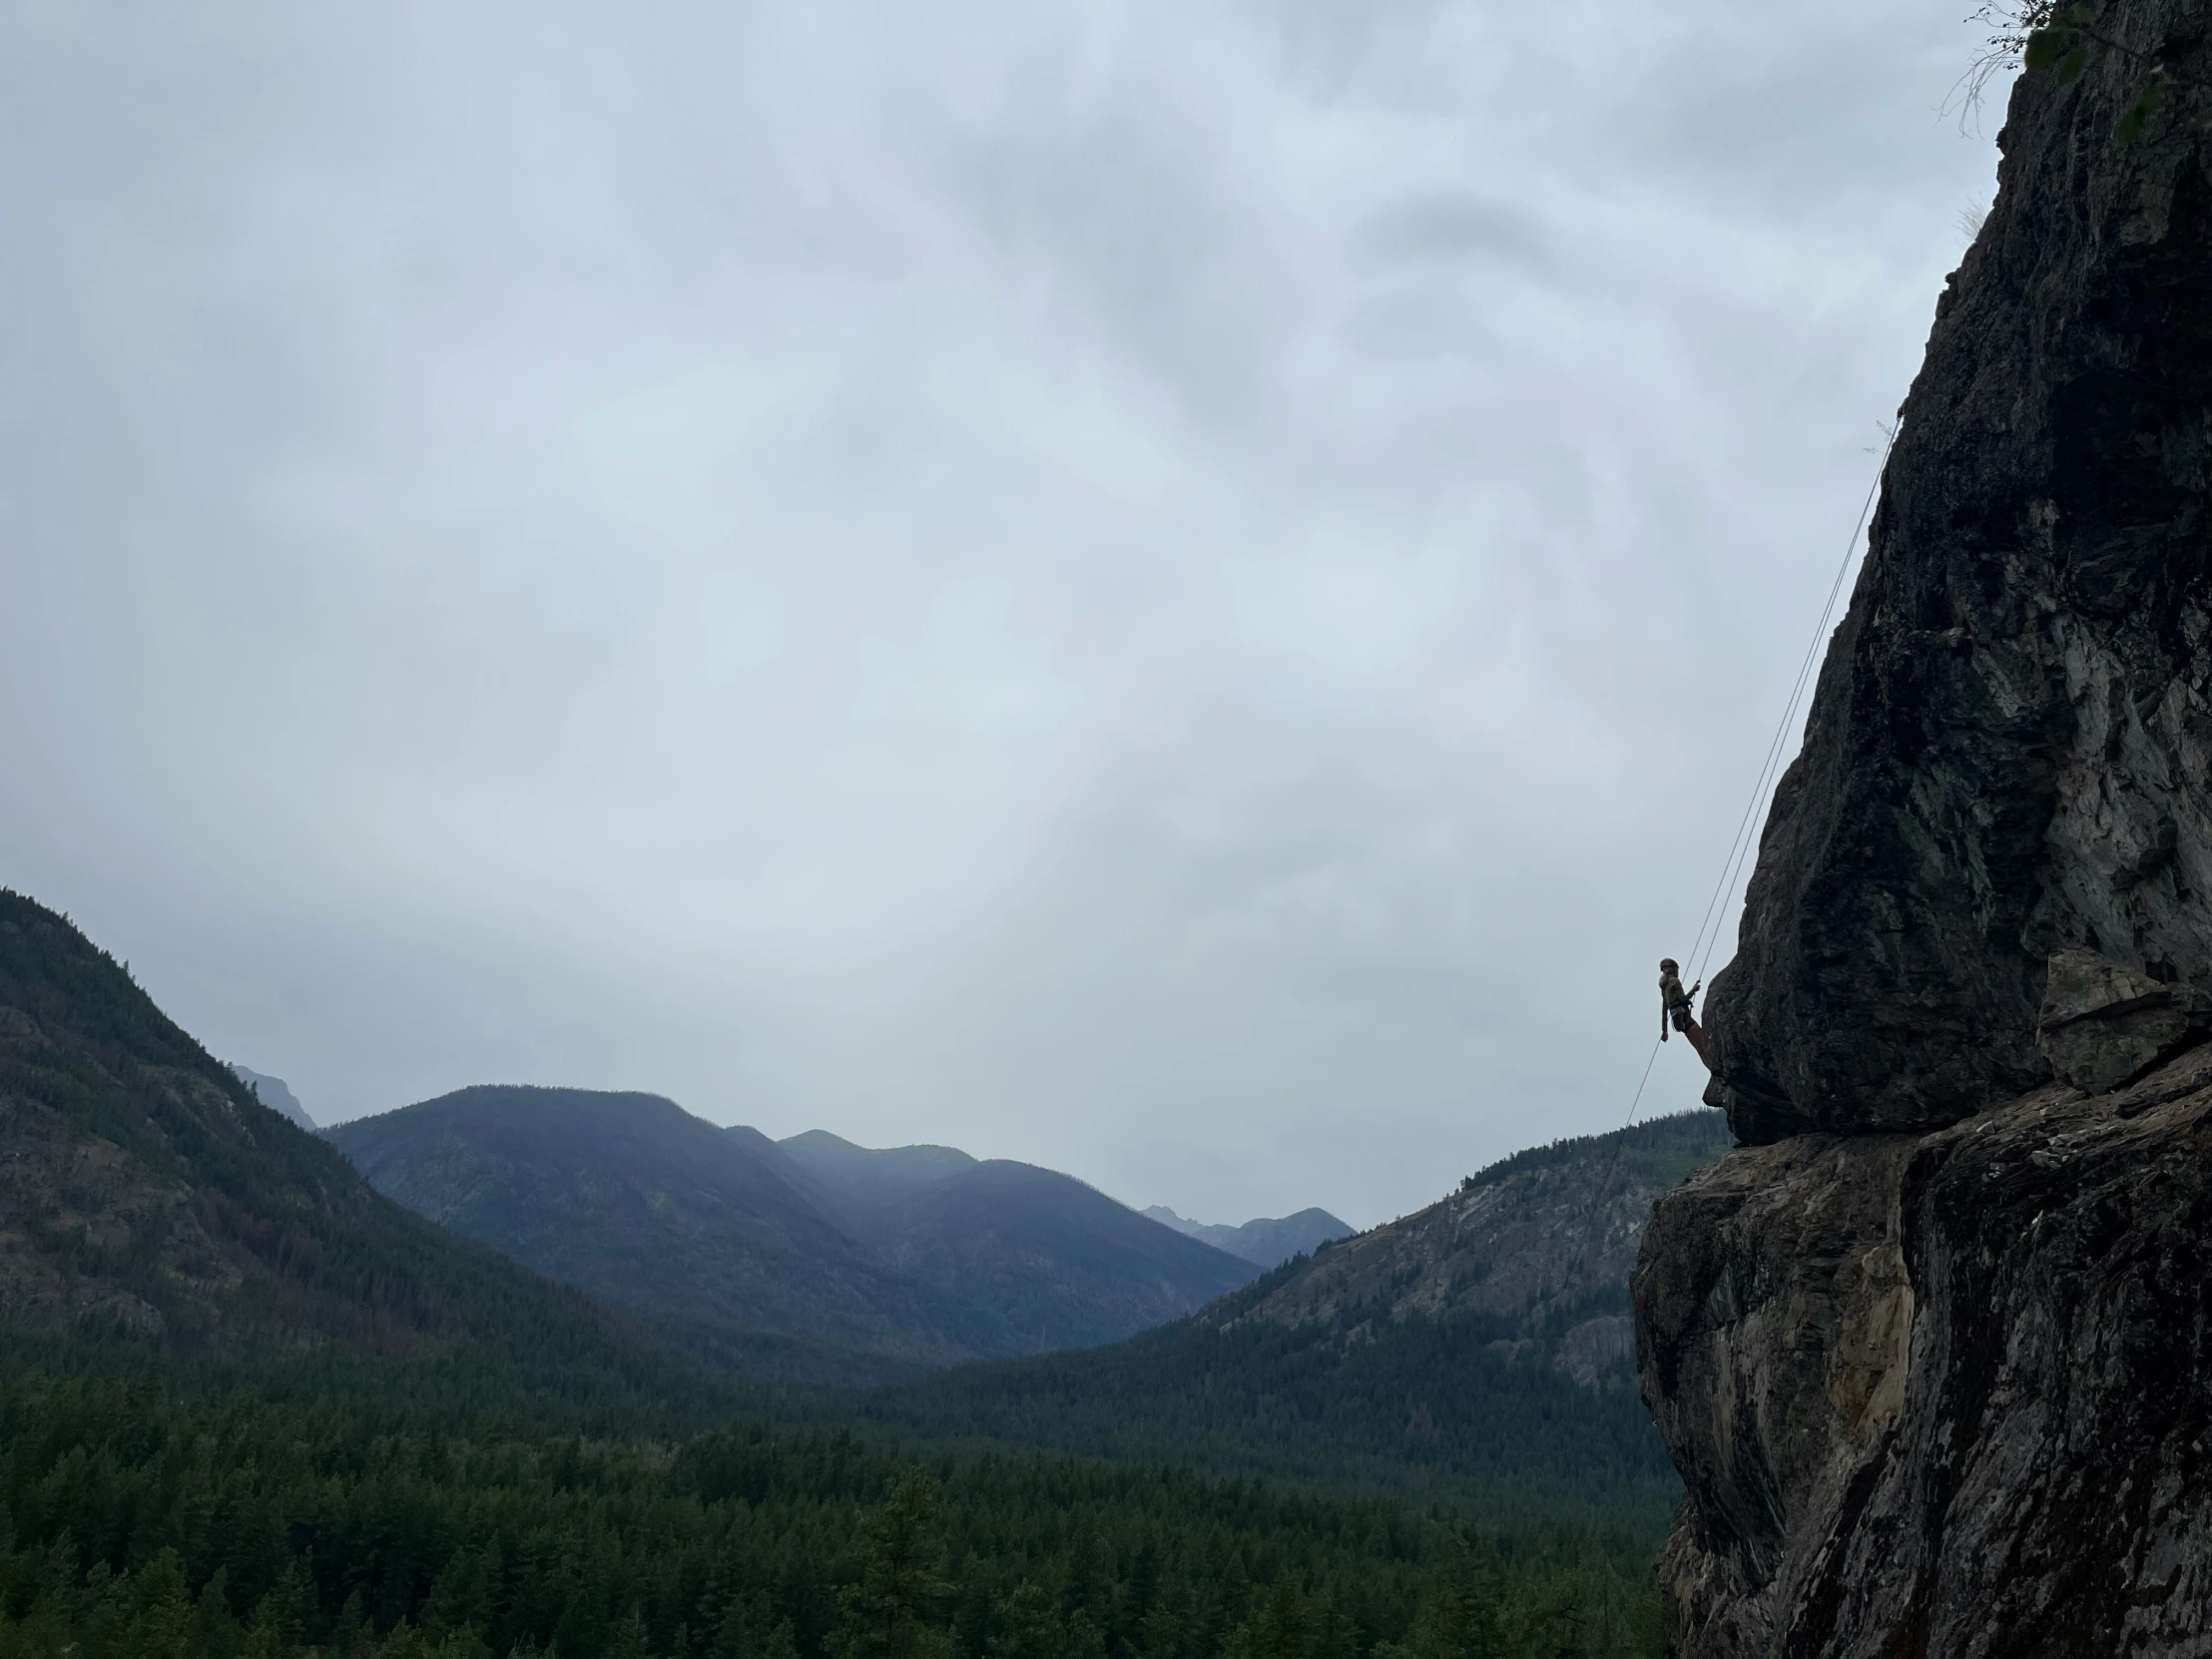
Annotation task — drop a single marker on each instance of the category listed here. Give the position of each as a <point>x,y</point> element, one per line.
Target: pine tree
<point>892,1613</point>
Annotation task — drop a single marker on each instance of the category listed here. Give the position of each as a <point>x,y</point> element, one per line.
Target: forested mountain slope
<point>1472,1353</point>
<point>631,1198</point>
<point>274,1092</point>
<point>147,1199</point>
<point>1063,1264</point>
<point>300,1419</point>
<point>814,1259</point>
<point>1536,1249</point>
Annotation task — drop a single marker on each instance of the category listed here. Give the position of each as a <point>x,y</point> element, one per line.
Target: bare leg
<point>1696,1033</point>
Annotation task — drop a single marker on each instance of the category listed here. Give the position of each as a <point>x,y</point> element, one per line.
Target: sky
<point>1186,592</point>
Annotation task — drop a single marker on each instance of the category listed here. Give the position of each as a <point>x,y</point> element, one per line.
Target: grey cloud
<point>1113,213</point>
<point>1449,224</point>
<point>1419,322</point>
<point>1186,592</point>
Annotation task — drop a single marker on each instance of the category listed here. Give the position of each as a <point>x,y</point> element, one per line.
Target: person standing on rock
<point>1674,1008</point>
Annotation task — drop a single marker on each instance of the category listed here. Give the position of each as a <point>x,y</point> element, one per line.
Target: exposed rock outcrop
<point>1934,1353</point>
<point>1944,1393</point>
<point>2102,1025</point>
<point>2010,746</point>
<point>1538,1247</point>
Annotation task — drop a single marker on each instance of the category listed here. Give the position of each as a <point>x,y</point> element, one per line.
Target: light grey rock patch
<point>2103,1025</point>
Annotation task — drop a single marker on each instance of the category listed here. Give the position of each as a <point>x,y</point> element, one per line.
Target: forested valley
<point>148,1516</point>
<point>251,1407</point>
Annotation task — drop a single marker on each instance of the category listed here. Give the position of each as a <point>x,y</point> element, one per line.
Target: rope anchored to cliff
<point>1672,997</point>
<point>1676,1006</point>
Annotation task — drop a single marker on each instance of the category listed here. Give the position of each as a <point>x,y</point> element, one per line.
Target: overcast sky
<point>1189,592</point>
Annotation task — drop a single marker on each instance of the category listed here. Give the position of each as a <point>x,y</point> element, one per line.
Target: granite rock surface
<point>1945,1392</point>
<point>2011,740</point>
<point>1933,1350</point>
<point>2102,1025</point>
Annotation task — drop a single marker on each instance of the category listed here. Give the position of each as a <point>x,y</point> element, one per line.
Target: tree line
<point>143,1517</point>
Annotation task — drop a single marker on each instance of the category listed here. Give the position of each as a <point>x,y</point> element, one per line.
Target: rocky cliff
<point>1934,1353</point>
<point>2008,745</point>
<point>1944,1393</point>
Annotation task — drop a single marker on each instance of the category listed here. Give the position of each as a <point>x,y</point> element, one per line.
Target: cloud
<point>1451,226</point>
<point>1186,592</point>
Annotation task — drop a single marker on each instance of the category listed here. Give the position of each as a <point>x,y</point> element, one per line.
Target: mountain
<point>809,1258</point>
<point>1264,1243</point>
<point>272,1091</point>
<point>1475,1352</point>
<point>147,1198</point>
<point>632,1198</point>
<point>858,1180</point>
<point>1060,1262</point>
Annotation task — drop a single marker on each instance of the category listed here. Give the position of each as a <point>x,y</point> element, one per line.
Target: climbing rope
<point>1769,769</point>
<point>1740,847</point>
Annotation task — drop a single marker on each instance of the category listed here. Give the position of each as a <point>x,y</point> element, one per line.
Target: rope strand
<point>1769,769</point>
<point>1739,846</point>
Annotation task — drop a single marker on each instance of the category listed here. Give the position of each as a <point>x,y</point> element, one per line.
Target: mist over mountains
<point>806,1258</point>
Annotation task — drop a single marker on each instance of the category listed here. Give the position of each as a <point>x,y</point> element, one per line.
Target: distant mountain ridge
<point>1266,1243</point>
<point>1042,1251</point>
<point>630,1199</point>
<point>1538,1247</point>
<point>843,1255</point>
<point>272,1091</point>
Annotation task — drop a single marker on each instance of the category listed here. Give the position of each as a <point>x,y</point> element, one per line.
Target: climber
<point>1674,1009</point>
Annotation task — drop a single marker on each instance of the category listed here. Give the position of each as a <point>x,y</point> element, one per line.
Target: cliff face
<point>1944,1393</point>
<point>2009,747</point>
<point>1934,1353</point>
